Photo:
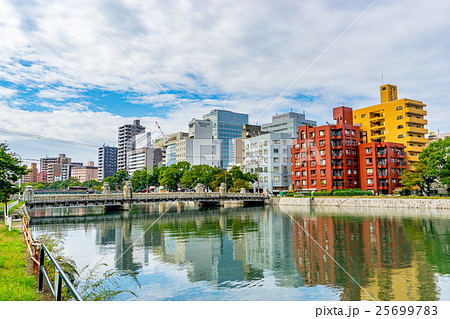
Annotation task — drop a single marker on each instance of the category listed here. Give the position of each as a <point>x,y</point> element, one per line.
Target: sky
<point>76,70</point>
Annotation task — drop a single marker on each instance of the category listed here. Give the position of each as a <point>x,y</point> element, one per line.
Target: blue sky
<point>62,75</point>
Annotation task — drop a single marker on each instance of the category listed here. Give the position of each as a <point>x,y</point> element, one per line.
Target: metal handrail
<point>60,275</point>
<point>40,250</point>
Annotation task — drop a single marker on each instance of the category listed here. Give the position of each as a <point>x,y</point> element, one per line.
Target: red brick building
<point>381,166</point>
<point>326,157</point>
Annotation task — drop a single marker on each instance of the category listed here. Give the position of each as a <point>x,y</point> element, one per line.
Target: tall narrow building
<point>107,162</point>
<point>393,120</point>
<point>126,132</point>
<point>288,123</point>
<point>226,125</point>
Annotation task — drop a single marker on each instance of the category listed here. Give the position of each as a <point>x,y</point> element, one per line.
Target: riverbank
<point>15,284</point>
<point>428,203</point>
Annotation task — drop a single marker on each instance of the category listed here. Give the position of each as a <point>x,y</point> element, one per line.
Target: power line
<point>46,138</point>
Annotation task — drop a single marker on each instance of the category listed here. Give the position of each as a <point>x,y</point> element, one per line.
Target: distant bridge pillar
<point>222,189</point>
<point>28,194</point>
<point>127,190</point>
<point>199,188</point>
<point>106,190</point>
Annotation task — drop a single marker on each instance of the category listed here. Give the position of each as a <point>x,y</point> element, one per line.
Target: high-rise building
<point>381,166</point>
<point>107,162</point>
<point>268,155</point>
<point>238,147</point>
<point>46,165</point>
<point>126,132</point>
<point>85,173</point>
<point>226,125</point>
<point>288,123</point>
<point>326,157</point>
<point>143,157</point>
<point>66,170</point>
<point>200,147</point>
<point>32,176</point>
<point>397,121</point>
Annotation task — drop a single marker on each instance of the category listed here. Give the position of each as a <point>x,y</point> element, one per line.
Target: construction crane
<point>162,133</point>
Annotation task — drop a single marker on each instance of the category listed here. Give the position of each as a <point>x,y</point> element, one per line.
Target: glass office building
<point>226,125</point>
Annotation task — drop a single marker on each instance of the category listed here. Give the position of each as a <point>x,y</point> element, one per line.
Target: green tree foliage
<point>235,175</point>
<point>144,178</point>
<point>171,176</point>
<point>199,174</point>
<point>433,166</point>
<point>11,170</point>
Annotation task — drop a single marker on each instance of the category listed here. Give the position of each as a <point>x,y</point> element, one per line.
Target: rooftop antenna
<point>339,98</point>
<point>382,81</point>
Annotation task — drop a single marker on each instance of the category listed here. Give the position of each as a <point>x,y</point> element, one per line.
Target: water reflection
<point>247,249</point>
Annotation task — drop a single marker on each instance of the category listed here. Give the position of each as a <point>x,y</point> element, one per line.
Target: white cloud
<point>6,92</point>
<point>247,52</point>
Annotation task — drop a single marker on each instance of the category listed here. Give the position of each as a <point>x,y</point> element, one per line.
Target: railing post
<point>41,268</point>
<point>58,285</point>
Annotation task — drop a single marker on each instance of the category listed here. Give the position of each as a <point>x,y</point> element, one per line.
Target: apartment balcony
<point>415,149</point>
<point>382,163</point>
<point>415,120</point>
<point>417,130</point>
<point>414,111</point>
<point>376,117</point>
<point>415,139</point>
<point>377,127</point>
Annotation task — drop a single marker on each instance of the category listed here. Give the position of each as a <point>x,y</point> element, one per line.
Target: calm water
<point>261,253</point>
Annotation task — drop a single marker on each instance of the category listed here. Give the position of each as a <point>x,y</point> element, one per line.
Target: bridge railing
<point>142,196</point>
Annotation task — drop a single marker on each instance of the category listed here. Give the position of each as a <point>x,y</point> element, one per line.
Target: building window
<point>321,133</point>
<point>349,182</point>
<point>369,160</point>
<point>322,162</point>
<point>313,182</point>
<point>399,117</point>
<point>313,163</point>
<point>322,172</point>
<point>322,152</point>
<point>297,173</point>
<point>302,135</point>
<point>276,160</point>
<point>296,146</point>
<point>369,170</point>
<point>348,141</point>
<point>303,173</point>
<point>363,115</point>
<point>399,108</point>
<point>354,152</point>
<point>313,172</point>
<point>349,162</point>
<point>355,181</point>
<point>276,169</point>
<point>313,153</point>
<point>322,142</point>
<point>347,151</point>
<point>276,178</point>
<point>394,181</point>
<point>312,143</point>
<point>370,181</point>
<point>275,150</point>
<point>355,171</point>
<point>347,131</point>
<point>323,181</point>
<point>400,126</point>
<point>303,154</point>
<point>303,182</point>
<point>400,136</point>
<point>311,134</point>
<point>368,150</point>
<point>349,171</point>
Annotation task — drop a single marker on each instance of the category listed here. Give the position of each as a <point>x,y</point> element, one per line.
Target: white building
<point>143,157</point>
<point>287,123</point>
<point>200,148</point>
<point>268,155</point>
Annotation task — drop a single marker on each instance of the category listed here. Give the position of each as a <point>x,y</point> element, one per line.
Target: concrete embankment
<point>364,202</point>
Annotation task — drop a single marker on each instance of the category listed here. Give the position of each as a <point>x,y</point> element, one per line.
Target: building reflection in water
<point>391,258</point>
<point>381,254</point>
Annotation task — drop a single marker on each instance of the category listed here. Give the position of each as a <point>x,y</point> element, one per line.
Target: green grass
<point>14,283</point>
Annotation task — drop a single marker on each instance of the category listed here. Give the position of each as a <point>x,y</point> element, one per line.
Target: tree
<point>433,166</point>
<point>171,176</point>
<point>11,171</point>
<point>140,179</point>
<point>199,174</point>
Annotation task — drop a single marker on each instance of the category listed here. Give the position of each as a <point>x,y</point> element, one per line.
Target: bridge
<point>127,198</point>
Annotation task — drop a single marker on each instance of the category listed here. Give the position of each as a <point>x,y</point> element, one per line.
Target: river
<point>260,253</point>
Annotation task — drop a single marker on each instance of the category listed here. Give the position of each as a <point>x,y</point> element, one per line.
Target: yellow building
<point>393,120</point>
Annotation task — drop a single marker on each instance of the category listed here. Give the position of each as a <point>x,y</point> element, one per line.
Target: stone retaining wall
<point>365,202</point>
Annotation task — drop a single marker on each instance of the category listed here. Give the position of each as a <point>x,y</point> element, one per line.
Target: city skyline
<point>61,76</point>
